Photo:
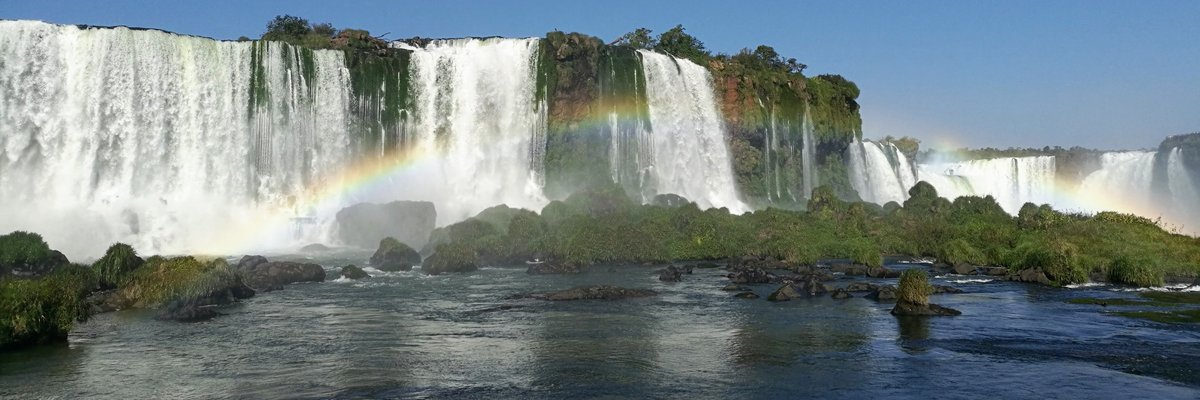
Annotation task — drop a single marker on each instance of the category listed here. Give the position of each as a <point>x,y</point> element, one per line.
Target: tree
<point>285,27</point>
<point>639,39</point>
<point>680,44</point>
<point>324,29</point>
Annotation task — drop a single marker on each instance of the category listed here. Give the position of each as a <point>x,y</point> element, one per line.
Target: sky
<point>1096,73</point>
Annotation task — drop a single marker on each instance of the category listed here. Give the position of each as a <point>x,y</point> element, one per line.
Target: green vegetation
<point>1118,302</point>
<point>164,279</point>
<point>914,287</point>
<point>118,261</point>
<point>1168,317</point>
<point>38,311</point>
<point>1173,297</point>
<point>604,226</point>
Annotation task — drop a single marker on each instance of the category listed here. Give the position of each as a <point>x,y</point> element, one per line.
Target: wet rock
<point>797,289</point>
<point>314,248</point>
<point>904,308</point>
<point>105,301</point>
<point>850,269</point>
<point>784,293</point>
<point>750,275</point>
<point>883,293</point>
<point>272,275</point>
<point>599,292</point>
<point>410,222</point>
<point>881,272</point>
<point>353,272</point>
<point>733,287</point>
<point>861,287</point>
<point>553,267</point>
<point>841,294</point>
<point>1031,275</point>
<point>186,311</point>
<point>996,271</point>
<point>940,289</point>
<point>249,262</point>
<point>393,255</point>
<point>965,269</point>
<point>746,295</point>
<point>673,273</point>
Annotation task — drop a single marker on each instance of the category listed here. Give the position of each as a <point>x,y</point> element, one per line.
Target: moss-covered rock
<point>26,254</point>
<point>43,310</point>
<point>392,255</point>
<point>118,261</point>
<point>451,258</point>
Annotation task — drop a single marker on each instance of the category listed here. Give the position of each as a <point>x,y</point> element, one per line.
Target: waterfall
<point>475,112</point>
<point>691,156</point>
<point>156,139</point>
<point>879,171</point>
<point>808,154</point>
<point>1012,181</point>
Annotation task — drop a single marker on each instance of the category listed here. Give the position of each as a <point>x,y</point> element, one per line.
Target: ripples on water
<point>404,334</point>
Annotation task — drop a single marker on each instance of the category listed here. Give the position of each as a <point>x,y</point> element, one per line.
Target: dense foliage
<point>37,311</point>
<point>914,287</point>
<point>606,227</point>
<point>118,261</point>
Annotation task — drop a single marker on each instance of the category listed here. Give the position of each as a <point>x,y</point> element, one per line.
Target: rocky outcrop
<point>799,289</point>
<point>881,272</point>
<point>746,295</point>
<point>905,308</point>
<point>264,275</point>
<point>1031,275</point>
<point>599,292</point>
<point>673,273</point>
<point>861,287</point>
<point>451,258</point>
<point>750,275</point>
<point>364,224</point>
<point>554,268</point>
<point>850,269</point>
<point>353,272</point>
<point>965,269</point>
<point>393,255</point>
<point>883,293</point>
<point>841,294</point>
<point>204,306</point>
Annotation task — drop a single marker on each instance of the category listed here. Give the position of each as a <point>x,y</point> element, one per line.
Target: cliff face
<point>596,99</point>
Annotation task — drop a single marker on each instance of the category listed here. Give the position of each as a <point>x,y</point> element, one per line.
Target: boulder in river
<point>1031,275</point>
<point>393,255</point>
<point>965,269</point>
<point>363,224</point>
<point>841,294</point>
<point>554,268</point>
<point>905,308</point>
<point>598,292</point>
<point>451,258</point>
<point>940,289</point>
<point>353,272</point>
<point>733,287</point>
<point>272,275</point>
<point>850,269</point>
<point>861,287</point>
<point>673,273</point>
<point>883,293</point>
<point>996,271</point>
<point>881,272</point>
<point>750,275</point>
<point>746,295</point>
<point>786,292</point>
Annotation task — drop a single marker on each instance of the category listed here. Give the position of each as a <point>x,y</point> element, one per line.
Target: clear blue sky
<point>1104,74</point>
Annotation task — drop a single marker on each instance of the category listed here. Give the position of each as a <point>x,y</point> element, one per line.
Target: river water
<point>410,335</point>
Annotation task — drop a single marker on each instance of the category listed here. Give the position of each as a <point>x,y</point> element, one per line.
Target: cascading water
<point>475,113</point>
<point>880,172</point>
<point>691,157</point>
<point>1012,181</point>
<point>156,139</point>
<point>1124,182</point>
<point>808,154</point>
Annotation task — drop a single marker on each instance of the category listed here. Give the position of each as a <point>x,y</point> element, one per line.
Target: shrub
<point>119,260</point>
<point>1135,271</point>
<point>959,251</point>
<point>37,311</point>
<point>163,279</point>
<point>1059,260</point>
<point>914,287</point>
<point>21,248</point>
<point>865,253</point>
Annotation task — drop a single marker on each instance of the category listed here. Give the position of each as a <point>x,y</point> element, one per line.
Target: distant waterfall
<point>808,154</point>
<point>1013,181</point>
<point>691,156</point>
<point>880,172</point>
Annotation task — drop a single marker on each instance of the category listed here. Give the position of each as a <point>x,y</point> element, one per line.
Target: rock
<point>272,275</point>
<point>733,287</point>
<point>850,269</point>
<point>105,301</point>
<point>861,287</point>
<point>204,306</point>
<point>883,293</point>
<point>393,255</point>
<point>939,289</point>
<point>249,262</point>
<point>881,272</point>
<point>314,248</point>
<point>353,272</point>
<point>941,269</point>
<point>965,269</point>
<point>36,268</point>
<point>673,273</point>
<point>554,267</point>
<point>746,295</point>
<point>996,271</point>
<point>785,293</point>
<point>841,294</point>
<point>363,224</point>
<point>750,275</point>
<point>1032,275</point>
<point>905,308</point>
<point>451,258</point>
<point>599,292</point>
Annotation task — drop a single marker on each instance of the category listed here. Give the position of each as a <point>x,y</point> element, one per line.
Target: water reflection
<point>914,332</point>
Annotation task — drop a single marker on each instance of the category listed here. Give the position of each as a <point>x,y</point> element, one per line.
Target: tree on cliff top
<point>639,39</point>
<point>680,44</point>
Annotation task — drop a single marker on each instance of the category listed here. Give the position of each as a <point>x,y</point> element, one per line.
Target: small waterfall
<point>879,172</point>
<point>808,154</point>
<point>622,98</point>
<point>691,157</point>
